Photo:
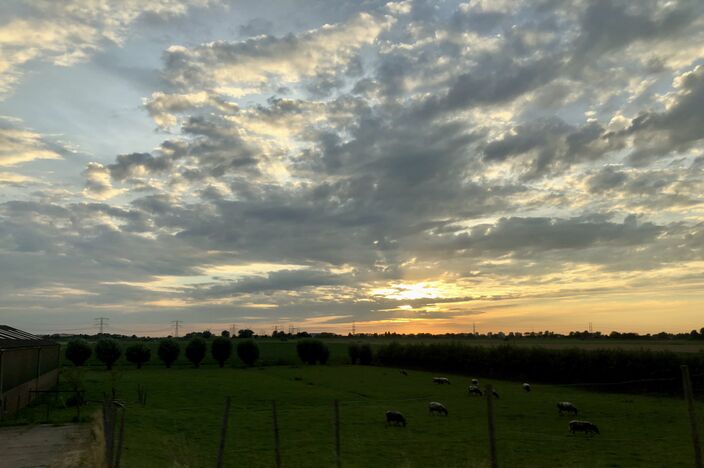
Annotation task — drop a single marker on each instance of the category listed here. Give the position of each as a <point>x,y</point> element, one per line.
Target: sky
<point>410,166</point>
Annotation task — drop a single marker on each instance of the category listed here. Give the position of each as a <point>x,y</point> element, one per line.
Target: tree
<point>207,334</point>
<point>168,351</point>
<point>353,351</point>
<point>138,354</point>
<point>108,351</point>
<point>248,352</point>
<point>195,350</point>
<point>221,349</point>
<point>365,354</point>
<point>246,333</point>
<point>225,333</point>
<point>78,351</point>
<point>312,351</point>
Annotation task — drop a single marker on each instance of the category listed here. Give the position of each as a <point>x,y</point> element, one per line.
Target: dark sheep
<point>526,387</point>
<point>495,393</point>
<point>474,390</point>
<point>475,382</point>
<point>583,426</point>
<point>441,380</point>
<point>395,418</point>
<point>435,407</point>
<point>403,372</point>
<point>566,407</point>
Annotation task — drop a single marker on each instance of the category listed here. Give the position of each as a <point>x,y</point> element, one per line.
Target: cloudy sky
<point>407,166</point>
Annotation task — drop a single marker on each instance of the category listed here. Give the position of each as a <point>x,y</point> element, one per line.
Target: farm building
<point>28,363</point>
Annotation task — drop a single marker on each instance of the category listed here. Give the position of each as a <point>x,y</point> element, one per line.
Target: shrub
<point>195,351</point>
<point>221,349</point>
<point>365,354</point>
<point>353,352</point>
<point>168,351</point>
<point>312,351</point>
<point>78,351</point>
<point>138,354</point>
<point>108,351</point>
<point>248,352</point>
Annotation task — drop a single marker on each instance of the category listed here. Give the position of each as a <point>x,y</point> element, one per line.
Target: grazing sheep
<point>566,407</point>
<point>495,393</point>
<point>583,426</point>
<point>396,418</point>
<point>435,407</point>
<point>474,390</point>
<point>441,380</point>
<point>403,372</point>
<point>475,382</point>
<point>526,387</point>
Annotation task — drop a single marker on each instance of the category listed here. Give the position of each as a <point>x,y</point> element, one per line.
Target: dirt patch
<point>44,446</point>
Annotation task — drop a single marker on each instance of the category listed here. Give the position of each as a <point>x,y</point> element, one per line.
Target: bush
<point>248,352</point>
<point>365,354</point>
<point>353,352</point>
<point>108,351</point>
<point>221,349</point>
<point>360,353</point>
<point>138,354</point>
<point>168,351</point>
<point>312,351</point>
<point>78,351</point>
<point>195,351</point>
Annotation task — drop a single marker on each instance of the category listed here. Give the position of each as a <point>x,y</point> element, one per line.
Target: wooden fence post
<point>223,433</point>
<point>489,391</point>
<point>277,442</point>
<point>121,439</point>
<point>687,385</point>
<point>338,457</point>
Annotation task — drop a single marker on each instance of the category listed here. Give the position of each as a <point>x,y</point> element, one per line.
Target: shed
<point>28,364</point>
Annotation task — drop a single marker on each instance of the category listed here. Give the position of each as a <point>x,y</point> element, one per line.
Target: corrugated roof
<point>14,338</point>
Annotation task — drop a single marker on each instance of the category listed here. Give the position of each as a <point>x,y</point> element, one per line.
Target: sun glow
<point>410,291</point>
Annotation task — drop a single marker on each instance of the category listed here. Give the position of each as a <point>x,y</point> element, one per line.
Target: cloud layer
<point>408,165</point>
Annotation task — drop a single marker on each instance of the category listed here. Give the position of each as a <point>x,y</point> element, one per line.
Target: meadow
<point>180,424</point>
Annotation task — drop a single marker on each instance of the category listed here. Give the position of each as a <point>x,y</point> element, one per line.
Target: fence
<point>345,441</point>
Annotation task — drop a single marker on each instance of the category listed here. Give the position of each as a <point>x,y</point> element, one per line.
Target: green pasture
<point>180,424</point>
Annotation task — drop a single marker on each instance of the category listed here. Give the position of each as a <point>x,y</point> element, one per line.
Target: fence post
<point>277,442</point>
<point>223,433</point>
<point>338,457</point>
<point>108,430</point>
<point>489,391</point>
<point>121,439</point>
<point>687,385</point>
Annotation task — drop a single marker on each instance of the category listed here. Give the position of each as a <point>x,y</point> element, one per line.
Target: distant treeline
<point>499,336</point>
<point>609,369</point>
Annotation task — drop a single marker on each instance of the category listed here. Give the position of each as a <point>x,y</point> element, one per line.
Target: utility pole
<point>101,322</point>
<point>354,328</point>
<point>590,328</point>
<point>176,325</point>
<point>474,328</point>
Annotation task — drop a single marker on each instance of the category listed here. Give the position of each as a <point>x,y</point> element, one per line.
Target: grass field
<point>180,424</point>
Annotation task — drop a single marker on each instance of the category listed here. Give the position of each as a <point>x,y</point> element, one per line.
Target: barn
<point>28,364</point>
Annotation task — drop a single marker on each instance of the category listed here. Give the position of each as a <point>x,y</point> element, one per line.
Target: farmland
<point>180,423</point>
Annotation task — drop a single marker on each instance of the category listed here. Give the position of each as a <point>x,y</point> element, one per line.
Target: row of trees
<point>108,351</point>
<point>619,369</point>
